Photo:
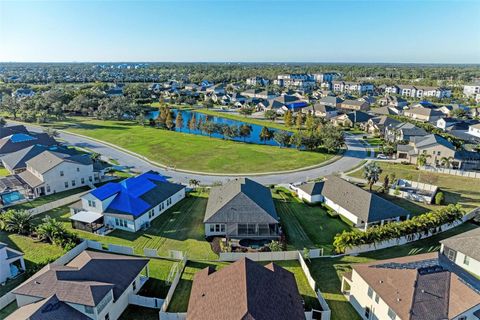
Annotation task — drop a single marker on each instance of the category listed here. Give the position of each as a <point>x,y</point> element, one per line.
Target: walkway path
<point>355,154</point>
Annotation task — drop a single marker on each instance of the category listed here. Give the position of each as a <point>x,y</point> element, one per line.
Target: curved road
<point>353,156</point>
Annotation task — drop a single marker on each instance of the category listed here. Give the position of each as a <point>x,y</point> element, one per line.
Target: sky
<point>407,31</point>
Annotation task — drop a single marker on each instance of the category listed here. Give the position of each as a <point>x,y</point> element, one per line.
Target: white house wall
<point>56,182</point>
<point>340,210</point>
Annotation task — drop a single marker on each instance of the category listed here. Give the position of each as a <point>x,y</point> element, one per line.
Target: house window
<point>73,183</point>
<point>370,292</point>
<point>82,180</point>
<point>151,213</point>
<point>107,316</point>
<point>134,285</point>
<point>451,254</point>
<point>48,188</point>
<point>377,298</point>
<point>169,201</point>
<point>121,222</point>
<point>91,203</point>
<point>66,184</point>
<point>61,174</point>
<point>90,178</point>
<point>212,228</point>
<point>78,169</point>
<point>367,312</point>
<point>466,260</point>
<point>391,314</point>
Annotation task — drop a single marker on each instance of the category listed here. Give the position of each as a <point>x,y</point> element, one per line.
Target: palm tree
<point>372,173</point>
<point>245,131</point>
<point>422,159</point>
<point>266,135</point>
<point>18,221</point>
<point>53,231</point>
<point>446,161</point>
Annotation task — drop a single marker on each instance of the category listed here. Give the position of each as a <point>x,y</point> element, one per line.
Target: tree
<point>297,139</point>
<point>194,182</point>
<point>446,161</point>
<point>372,173</point>
<point>192,123</point>
<point>162,117</point>
<point>422,159</point>
<point>439,198</point>
<point>3,123</point>
<point>18,221</point>
<point>386,183</point>
<point>179,120</point>
<point>245,131</point>
<point>231,131</point>
<point>299,120</point>
<point>270,114</point>
<point>245,111</point>
<point>169,120</point>
<point>310,122</point>
<point>265,135</point>
<point>282,137</point>
<point>208,127</point>
<point>55,232</point>
<point>287,118</point>
<point>274,246</point>
<point>52,133</point>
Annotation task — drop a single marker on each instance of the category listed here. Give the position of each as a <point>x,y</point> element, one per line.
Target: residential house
<point>351,119</point>
<point>259,94</point>
<point>392,101</point>
<point>423,114</point>
<point>385,111</point>
<point>357,88</point>
<point>356,105</point>
<point>449,110</point>
<point>257,81</point>
<point>23,93</point>
<point>129,205</point>
<point>52,172</point>
<point>320,110</point>
<point>217,89</point>
<point>325,77</point>
<point>283,104</point>
<point>418,287</point>
<point>331,101</point>
<point>472,90</point>
<point>245,290</point>
<point>403,132</point>
<point>446,122</point>
<point>10,130</point>
<point>94,285</point>
<point>311,191</point>
<point>437,148</point>
<point>19,141</point>
<point>464,250</point>
<point>116,91</point>
<point>364,209</point>
<point>378,125</point>
<point>474,130</point>
<point>11,263</point>
<point>15,162</point>
<point>241,208</point>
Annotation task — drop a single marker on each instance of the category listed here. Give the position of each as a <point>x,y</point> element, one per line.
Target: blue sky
<point>227,30</point>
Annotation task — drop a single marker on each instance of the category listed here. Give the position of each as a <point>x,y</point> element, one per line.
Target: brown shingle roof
<point>415,294</point>
<point>86,279</point>
<point>245,290</point>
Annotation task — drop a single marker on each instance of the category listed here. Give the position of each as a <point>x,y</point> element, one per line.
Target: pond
<point>187,115</point>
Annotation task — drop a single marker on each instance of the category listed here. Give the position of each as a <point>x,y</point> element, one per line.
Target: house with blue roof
<point>128,205</point>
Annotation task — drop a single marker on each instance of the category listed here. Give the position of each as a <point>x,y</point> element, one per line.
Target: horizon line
<point>248,62</point>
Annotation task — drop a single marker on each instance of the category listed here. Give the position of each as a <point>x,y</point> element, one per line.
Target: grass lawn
<point>328,271</point>
<point>374,142</point>
<point>181,296</point>
<point>5,312</point>
<point>179,228</point>
<point>46,199</point>
<point>193,152</point>
<point>260,122</point>
<point>465,191</point>
<point>307,226</point>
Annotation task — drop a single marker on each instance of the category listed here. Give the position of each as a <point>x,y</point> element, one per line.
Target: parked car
<point>382,156</point>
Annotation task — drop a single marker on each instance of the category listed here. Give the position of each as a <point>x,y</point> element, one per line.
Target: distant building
<point>302,81</point>
<point>403,132</point>
<point>355,105</point>
<point>259,94</point>
<point>423,114</point>
<point>357,88</point>
<point>419,91</point>
<point>257,81</point>
<point>23,93</point>
<point>392,101</point>
<point>326,77</point>
<point>474,130</point>
<point>472,90</point>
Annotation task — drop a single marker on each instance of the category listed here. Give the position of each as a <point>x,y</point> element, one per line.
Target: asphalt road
<point>355,154</point>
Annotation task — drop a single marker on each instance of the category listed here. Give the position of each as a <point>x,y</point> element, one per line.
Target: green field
<point>307,226</point>
<point>193,152</point>
<point>465,191</point>
<point>181,296</point>
<point>328,272</point>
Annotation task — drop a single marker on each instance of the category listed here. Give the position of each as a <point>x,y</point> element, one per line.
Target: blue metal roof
<point>21,137</point>
<point>128,193</point>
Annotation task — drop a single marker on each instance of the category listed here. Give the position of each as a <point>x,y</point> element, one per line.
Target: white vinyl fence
<point>56,204</point>
<point>174,284</point>
<point>453,172</point>
<point>148,302</point>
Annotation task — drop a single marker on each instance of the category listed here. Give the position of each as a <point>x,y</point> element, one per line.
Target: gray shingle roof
<point>242,201</point>
<point>47,160</point>
<point>467,243</point>
<point>312,188</point>
<point>367,206</point>
<point>17,160</point>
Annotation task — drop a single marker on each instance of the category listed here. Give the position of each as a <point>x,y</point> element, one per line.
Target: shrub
<point>439,198</point>
<point>397,191</point>
<point>422,224</point>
